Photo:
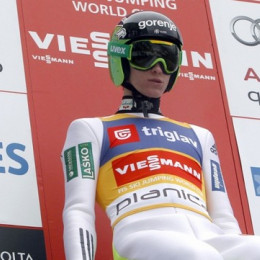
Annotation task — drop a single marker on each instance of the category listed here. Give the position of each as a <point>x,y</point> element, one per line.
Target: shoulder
<point>200,130</point>
<point>204,135</point>
<point>85,123</point>
<point>84,126</point>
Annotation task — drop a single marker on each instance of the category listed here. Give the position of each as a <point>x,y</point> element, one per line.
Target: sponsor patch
<point>170,136</point>
<point>120,50</point>
<point>121,32</point>
<point>71,163</point>
<point>216,177</point>
<point>157,24</point>
<point>141,165</point>
<point>122,134</point>
<point>213,149</point>
<point>86,160</point>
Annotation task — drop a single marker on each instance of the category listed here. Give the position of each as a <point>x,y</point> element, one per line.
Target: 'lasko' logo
<point>122,134</point>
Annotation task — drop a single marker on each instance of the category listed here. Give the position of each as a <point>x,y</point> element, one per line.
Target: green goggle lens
<point>144,54</point>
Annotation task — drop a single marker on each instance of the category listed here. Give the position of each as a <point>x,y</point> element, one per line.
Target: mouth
<point>155,80</point>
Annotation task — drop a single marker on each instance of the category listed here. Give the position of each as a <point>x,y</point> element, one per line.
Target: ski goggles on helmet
<point>145,54</point>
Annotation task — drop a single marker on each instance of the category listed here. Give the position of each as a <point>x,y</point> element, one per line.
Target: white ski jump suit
<point>161,185</point>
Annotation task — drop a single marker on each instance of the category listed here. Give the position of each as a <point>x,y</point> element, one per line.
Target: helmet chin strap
<point>141,103</point>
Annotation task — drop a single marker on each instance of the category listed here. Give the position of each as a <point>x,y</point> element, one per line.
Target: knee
<point>251,247</point>
<point>243,247</point>
<point>202,251</point>
<point>164,245</point>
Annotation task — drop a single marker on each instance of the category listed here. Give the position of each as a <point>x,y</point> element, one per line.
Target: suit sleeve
<point>80,161</point>
<point>218,203</point>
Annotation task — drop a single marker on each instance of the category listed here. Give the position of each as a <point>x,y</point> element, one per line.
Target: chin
<point>154,95</point>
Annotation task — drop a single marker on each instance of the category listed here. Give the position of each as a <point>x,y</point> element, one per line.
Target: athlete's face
<point>151,83</point>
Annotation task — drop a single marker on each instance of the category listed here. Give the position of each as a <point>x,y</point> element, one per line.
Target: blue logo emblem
<point>256,179</point>
<point>216,177</point>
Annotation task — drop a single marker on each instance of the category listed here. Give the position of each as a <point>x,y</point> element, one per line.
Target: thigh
<point>165,245</point>
<point>237,247</point>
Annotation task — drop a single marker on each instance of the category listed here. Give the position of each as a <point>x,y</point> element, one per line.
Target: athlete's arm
<point>218,203</point>
<point>80,159</point>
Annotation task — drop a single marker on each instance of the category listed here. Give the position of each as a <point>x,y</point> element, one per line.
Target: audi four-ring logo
<point>249,36</point>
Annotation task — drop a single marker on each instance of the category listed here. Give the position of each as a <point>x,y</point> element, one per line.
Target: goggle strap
<point>119,49</point>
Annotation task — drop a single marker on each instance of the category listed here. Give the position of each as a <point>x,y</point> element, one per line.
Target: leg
<point>237,247</point>
<point>166,245</point>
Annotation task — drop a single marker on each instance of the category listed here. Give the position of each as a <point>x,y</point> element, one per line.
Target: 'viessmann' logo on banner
<point>12,159</point>
<point>96,46</point>
<point>58,46</point>
<point>140,165</point>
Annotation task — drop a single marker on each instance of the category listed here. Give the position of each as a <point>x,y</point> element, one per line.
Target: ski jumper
<point>161,186</point>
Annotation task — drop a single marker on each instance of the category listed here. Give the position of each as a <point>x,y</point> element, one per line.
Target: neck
<point>134,101</point>
<point>141,104</point>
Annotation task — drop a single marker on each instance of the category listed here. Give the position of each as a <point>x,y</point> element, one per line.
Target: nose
<point>157,68</point>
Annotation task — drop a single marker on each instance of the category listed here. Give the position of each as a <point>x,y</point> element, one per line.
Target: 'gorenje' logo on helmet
<point>143,24</point>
